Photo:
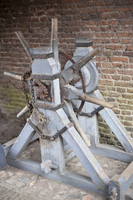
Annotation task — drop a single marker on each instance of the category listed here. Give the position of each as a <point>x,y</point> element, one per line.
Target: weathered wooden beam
<point>24,43</point>
<point>116,126</point>
<point>21,142</point>
<point>54,39</point>
<point>83,153</point>
<point>68,177</point>
<point>126,178</point>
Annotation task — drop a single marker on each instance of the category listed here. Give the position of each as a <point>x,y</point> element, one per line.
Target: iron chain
<point>25,76</point>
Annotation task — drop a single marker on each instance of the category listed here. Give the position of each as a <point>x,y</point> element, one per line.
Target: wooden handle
<point>18,77</point>
<point>83,61</point>
<point>88,98</point>
<point>96,101</point>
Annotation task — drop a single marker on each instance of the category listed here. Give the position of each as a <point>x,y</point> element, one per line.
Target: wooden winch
<point>64,107</point>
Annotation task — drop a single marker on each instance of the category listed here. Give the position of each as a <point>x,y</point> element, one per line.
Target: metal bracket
<point>92,113</point>
<point>48,107</point>
<point>113,191</point>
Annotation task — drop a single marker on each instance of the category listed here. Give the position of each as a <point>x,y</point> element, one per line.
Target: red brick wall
<point>110,25</point>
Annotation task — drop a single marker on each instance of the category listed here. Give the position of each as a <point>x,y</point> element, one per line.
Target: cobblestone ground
<point>16,184</point>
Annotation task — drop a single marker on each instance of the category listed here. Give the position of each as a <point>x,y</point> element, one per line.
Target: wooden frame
<point>53,152</point>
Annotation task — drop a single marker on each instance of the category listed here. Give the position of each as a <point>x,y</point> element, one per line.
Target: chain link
<point>32,92</point>
<point>25,76</point>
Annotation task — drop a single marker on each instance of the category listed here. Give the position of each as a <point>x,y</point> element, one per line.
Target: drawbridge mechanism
<point>64,106</point>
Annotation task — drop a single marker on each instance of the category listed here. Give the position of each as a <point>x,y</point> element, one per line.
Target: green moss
<point>13,99</point>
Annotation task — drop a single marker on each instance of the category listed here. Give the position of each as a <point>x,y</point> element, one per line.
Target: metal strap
<point>47,137</point>
<point>42,56</point>
<point>34,127</point>
<point>84,44</point>
<point>48,107</point>
<point>62,131</point>
<point>92,113</point>
<point>45,77</point>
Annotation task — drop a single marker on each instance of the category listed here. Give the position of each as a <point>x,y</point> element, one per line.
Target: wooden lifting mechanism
<point>64,105</point>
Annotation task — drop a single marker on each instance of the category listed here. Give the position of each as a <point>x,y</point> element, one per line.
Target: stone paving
<point>16,184</point>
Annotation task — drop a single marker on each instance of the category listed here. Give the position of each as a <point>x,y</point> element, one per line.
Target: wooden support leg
<point>83,153</point>
<point>21,142</point>
<point>125,180</point>
<point>52,154</point>
<point>116,126</point>
<point>2,157</point>
<point>120,183</point>
<point>7,146</point>
<point>68,177</point>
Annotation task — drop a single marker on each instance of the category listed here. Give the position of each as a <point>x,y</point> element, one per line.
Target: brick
<point>105,15</point>
<point>85,4</point>
<point>126,112</point>
<point>124,34</point>
<point>115,47</point>
<point>106,82</point>
<point>124,9</point>
<point>119,65</point>
<point>123,84</point>
<point>126,78</point>
<point>126,107</point>
<point>107,22</point>
<point>99,3</point>
<point>110,88</point>
<point>127,96</point>
<point>126,72</point>
<point>101,58</point>
<point>127,123</point>
<point>131,59</point>
<point>129,48</point>
<point>105,9</point>
<point>128,66</point>
<point>128,53</point>
<point>108,71</point>
<point>129,2</point>
<point>71,1</point>
<point>109,3</point>
<point>130,90</point>
<point>90,16</point>
<point>119,59</point>
<point>102,88</point>
<point>121,90</point>
<point>106,65</point>
<point>104,35</point>
<point>116,111</point>
<point>128,118</point>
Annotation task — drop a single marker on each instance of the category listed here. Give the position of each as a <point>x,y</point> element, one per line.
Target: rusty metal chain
<point>32,92</point>
<point>25,76</point>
